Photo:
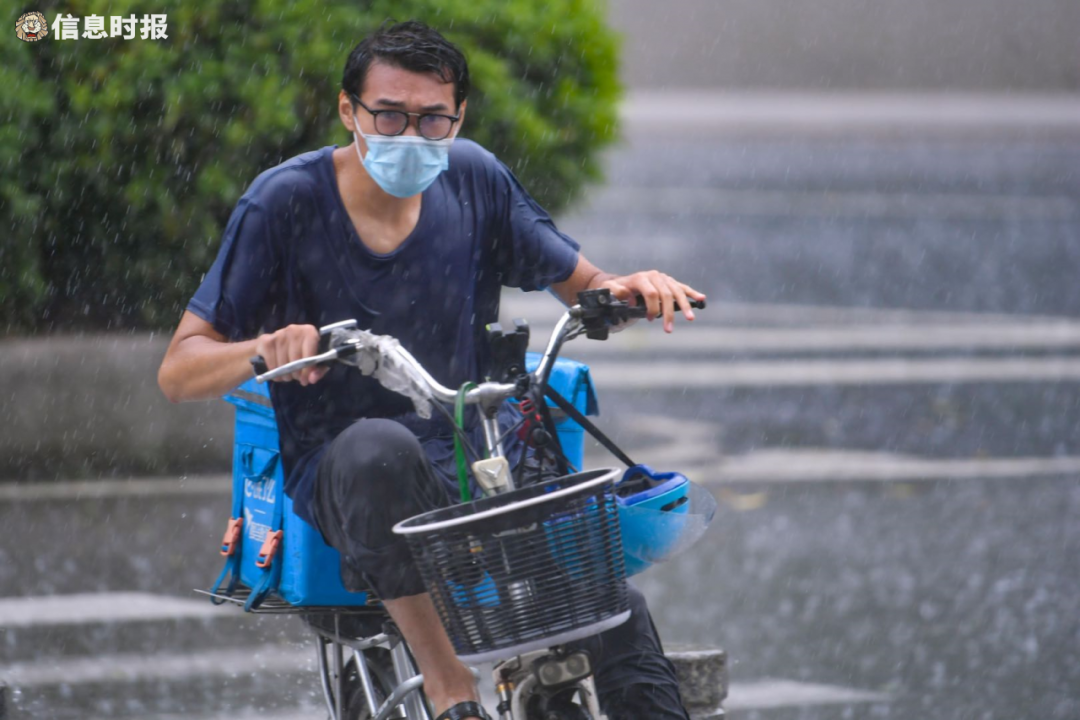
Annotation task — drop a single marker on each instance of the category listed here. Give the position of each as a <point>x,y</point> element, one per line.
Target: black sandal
<point>464,710</point>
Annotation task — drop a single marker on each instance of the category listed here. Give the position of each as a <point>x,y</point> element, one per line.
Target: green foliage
<point>122,159</point>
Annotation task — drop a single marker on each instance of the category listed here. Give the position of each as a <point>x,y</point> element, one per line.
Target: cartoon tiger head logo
<point>31,27</point>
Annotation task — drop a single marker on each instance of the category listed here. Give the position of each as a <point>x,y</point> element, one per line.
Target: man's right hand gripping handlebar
<point>289,344</point>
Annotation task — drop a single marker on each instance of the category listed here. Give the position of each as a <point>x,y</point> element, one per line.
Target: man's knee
<point>375,473</point>
<point>375,447</point>
<point>375,457</point>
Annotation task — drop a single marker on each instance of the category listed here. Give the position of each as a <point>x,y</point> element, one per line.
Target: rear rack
<point>274,605</point>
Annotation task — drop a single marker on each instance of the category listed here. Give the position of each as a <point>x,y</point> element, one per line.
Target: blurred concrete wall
<point>76,407</point>
<point>921,45</point>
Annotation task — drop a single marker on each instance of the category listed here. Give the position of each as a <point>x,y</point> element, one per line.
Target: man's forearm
<point>586,276</point>
<point>599,278</point>
<point>201,368</point>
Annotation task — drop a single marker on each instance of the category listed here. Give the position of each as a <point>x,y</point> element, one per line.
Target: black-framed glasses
<point>432,126</point>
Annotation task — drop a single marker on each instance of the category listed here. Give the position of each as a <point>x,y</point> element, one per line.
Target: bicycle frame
<point>515,682</point>
<point>405,697</point>
<point>515,679</point>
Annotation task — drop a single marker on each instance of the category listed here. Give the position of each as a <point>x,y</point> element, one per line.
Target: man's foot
<point>467,710</point>
<point>457,689</point>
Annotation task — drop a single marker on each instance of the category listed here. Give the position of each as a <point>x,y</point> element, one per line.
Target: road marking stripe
<point>764,466</point>
<point>838,339</point>
<point>667,375</point>
<point>82,608</point>
<point>788,693</point>
<point>693,447</point>
<point>103,489</point>
<point>692,451</point>
<point>834,112</point>
<point>127,667</point>
<point>683,201</point>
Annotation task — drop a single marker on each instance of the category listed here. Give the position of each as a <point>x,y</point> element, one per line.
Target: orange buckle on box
<point>269,549</point>
<point>232,536</point>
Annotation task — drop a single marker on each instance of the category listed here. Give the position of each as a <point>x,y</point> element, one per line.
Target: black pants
<point>376,473</point>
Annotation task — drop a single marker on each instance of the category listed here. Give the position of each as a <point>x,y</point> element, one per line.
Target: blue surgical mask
<point>404,165</point>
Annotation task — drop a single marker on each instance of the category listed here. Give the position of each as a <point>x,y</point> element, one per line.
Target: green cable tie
<point>459,449</point>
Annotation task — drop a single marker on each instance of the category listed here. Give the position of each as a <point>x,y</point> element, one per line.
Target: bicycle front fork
<point>547,683</point>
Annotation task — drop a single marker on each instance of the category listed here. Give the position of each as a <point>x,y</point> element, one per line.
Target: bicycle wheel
<point>560,706</point>
<point>382,678</point>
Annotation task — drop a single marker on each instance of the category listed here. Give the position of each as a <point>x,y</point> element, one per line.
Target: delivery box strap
<point>231,546</point>
<point>231,570</point>
<point>270,551</point>
<point>574,414</point>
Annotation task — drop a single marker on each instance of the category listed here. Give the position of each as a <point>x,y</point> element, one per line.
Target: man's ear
<point>345,111</point>
<point>461,117</point>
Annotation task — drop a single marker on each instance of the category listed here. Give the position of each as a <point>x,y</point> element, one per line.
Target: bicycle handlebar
<point>639,310</point>
<point>597,306</point>
<point>437,390</point>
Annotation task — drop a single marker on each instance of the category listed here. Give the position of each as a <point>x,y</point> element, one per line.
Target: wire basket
<point>532,568</point>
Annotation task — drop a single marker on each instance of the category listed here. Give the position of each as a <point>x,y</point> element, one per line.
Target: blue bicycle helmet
<point>660,514</point>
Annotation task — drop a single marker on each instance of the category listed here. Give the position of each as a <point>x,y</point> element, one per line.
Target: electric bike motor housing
<point>660,514</point>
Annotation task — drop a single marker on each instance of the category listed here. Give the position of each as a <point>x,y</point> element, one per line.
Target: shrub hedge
<point>122,159</point>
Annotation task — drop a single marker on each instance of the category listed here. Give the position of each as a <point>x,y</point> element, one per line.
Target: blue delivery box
<point>271,550</point>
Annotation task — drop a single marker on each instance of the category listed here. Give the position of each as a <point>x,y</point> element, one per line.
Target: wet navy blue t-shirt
<point>291,255</point>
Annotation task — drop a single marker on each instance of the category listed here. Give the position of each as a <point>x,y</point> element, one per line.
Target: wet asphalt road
<point>956,598</point>
<point>952,597</point>
<point>959,599</point>
<point>987,224</point>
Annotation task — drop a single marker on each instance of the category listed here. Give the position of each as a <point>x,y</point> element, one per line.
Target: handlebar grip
<point>259,365</point>
<point>695,304</point>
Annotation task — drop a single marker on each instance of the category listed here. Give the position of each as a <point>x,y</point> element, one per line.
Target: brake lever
<point>263,373</point>
<point>325,353</point>
<point>596,310</point>
<point>600,311</point>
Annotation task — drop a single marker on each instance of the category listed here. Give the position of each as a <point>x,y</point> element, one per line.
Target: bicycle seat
<point>348,624</point>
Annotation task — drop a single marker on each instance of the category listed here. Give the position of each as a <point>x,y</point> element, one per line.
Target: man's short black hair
<point>411,46</point>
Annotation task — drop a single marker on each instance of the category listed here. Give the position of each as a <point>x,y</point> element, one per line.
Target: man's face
<point>387,87</point>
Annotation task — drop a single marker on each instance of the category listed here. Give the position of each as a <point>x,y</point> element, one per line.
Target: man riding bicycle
<point>413,233</point>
